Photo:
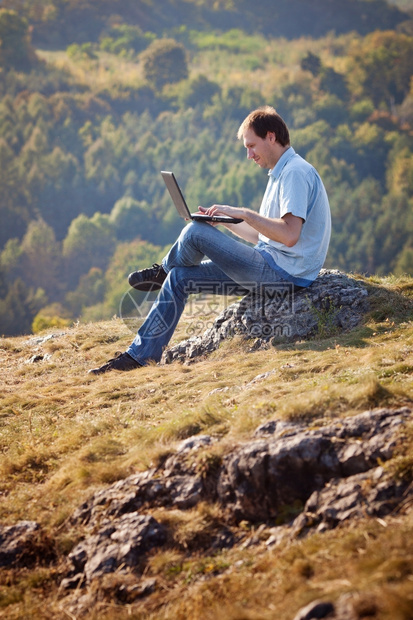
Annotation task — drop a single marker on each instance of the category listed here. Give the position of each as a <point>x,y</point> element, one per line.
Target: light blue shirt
<point>294,186</point>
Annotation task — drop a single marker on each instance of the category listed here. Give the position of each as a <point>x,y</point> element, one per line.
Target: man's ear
<point>271,137</point>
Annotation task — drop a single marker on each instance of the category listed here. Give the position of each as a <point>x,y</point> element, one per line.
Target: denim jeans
<point>201,258</point>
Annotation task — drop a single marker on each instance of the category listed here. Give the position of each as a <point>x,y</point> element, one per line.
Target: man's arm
<point>285,230</point>
<point>243,230</point>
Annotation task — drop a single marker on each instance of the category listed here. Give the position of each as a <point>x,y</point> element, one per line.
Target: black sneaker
<point>150,279</point>
<point>123,361</point>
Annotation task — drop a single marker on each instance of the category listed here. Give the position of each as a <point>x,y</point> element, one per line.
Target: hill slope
<point>62,23</point>
<point>67,436</point>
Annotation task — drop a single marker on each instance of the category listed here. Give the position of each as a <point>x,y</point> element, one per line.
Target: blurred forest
<point>97,96</point>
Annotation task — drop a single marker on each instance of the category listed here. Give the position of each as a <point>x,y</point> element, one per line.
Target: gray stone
<point>39,340</point>
<point>284,465</point>
<point>262,477</point>
<point>121,543</point>
<point>316,610</point>
<point>361,495</point>
<point>140,491</point>
<point>342,609</point>
<point>129,593</point>
<point>333,471</point>
<point>18,543</point>
<point>176,483</point>
<point>334,302</point>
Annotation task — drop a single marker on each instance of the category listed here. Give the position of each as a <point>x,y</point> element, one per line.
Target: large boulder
<point>334,303</point>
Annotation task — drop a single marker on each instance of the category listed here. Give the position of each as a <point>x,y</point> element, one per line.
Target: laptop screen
<point>176,194</point>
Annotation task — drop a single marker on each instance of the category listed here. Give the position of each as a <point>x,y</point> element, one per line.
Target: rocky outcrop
<point>334,302</point>
<point>330,473</point>
<point>334,472</point>
<point>121,543</point>
<point>177,484</point>
<point>258,480</point>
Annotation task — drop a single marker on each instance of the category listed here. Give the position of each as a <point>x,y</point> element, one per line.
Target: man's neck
<point>280,152</point>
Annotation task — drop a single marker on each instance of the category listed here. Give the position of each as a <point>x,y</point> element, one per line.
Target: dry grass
<point>65,434</point>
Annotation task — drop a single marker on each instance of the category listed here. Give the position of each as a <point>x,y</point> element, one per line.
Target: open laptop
<point>182,208</point>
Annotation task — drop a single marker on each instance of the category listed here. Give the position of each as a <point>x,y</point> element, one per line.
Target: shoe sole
<point>146,286</point>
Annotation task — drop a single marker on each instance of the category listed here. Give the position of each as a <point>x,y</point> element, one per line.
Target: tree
<point>132,218</point>
<point>41,258</point>
<point>333,82</point>
<point>331,109</point>
<point>19,307</point>
<point>393,232</point>
<point>197,91</point>
<point>400,173</point>
<point>15,49</point>
<point>89,243</point>
<point>311,63</point>
<point>11,260</point>
<point>89,292</point>
<point>381,67</point>
<point>404,262</point>
<point>164,62</point>
<point>14,213</point>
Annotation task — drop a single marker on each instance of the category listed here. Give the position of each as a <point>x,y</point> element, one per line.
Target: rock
<point>20,544</point>
<point>334,472</point>
<point>262,477</point>
<point>118,544</point>
<point>285,465</point>
<point>177,484</point>
<point>342,609</point>
<point>40,340</point>
<point>39,357</point>
<point>367,494</point>
<point>315,610</point>
<point>141,491</point>
<point>129,593</point>
<point>334,302</point>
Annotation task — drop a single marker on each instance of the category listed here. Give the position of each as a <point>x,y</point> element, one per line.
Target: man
<point>290,234</point>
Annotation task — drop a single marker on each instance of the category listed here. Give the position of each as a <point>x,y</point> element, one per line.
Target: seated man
<point>291,234</point>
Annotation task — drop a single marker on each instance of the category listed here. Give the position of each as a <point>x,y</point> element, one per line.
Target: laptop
<point>182,208</point>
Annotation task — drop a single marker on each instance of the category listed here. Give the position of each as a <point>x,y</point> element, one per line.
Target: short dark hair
<point>264,120</point>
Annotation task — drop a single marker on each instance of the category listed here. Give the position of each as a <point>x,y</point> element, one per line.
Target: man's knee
<point>177,277</point>
<point>196,230</point>
<point>182,280</point>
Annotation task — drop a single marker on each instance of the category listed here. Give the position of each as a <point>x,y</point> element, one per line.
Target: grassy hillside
<point>65,434</point>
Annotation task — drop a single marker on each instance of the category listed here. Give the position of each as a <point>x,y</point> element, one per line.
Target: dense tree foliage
<point>16,51</point>
<point>164,62</point>
<point>62,22</point>
<point>82,143</point>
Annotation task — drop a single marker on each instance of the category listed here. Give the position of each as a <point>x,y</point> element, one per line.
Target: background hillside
<point>96,97</point>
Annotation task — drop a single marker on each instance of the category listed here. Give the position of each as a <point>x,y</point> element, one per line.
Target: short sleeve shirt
<point>294,186</point>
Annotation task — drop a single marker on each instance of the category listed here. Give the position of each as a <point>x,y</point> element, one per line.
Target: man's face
<point>262,150</point>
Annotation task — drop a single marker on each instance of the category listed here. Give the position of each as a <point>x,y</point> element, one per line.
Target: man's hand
<point>242,230</point>
<point>204,211</point>
<point>225,210</point>
<point>285,230</point>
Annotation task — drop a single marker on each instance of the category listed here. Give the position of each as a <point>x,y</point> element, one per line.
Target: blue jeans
<point>231,266</point>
